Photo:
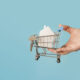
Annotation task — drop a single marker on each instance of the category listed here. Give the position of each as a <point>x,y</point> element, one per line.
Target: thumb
<point>66,28</point>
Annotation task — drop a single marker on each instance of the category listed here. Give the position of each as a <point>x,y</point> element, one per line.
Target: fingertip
<point>48,49</point>
<point>67,28</point>
<point>60,25</point>
<point>52,50</point>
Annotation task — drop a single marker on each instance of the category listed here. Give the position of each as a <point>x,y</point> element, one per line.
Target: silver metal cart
<point>45,42</point>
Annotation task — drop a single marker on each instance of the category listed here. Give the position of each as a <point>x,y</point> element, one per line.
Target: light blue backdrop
<point>21,18</point>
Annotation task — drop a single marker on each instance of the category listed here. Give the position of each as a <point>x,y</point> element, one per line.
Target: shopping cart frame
<point>34,43</point>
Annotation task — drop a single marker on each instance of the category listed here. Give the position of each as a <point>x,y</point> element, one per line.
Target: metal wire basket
<point>44,42</point>
<point>50,41</point>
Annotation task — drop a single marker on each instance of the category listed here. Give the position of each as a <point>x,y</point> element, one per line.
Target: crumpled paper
<point>46,31</point>
<point>45,38</point>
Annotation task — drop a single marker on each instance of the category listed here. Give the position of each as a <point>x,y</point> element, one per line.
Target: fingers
<point>52,50</point>
<point>64,50</point>
<point>66,28</point>
<point>58,51</point>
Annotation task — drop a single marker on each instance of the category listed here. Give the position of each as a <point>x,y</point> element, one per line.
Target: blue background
<point>19,19</point>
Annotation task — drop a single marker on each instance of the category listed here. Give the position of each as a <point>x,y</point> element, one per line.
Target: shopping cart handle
<point>60,29</point>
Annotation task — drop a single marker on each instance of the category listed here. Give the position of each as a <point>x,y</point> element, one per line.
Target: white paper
<point>46,41</point>
<point>46,31</point>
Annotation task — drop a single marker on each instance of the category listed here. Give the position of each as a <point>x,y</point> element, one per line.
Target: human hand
<point>73,44</point>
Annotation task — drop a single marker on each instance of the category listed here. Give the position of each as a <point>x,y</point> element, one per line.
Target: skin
<point>73,43</point>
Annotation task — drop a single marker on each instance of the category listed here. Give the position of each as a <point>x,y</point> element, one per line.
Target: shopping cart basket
<point>46,42</point>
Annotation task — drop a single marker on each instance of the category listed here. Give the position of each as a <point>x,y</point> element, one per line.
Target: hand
<point>73,44</point>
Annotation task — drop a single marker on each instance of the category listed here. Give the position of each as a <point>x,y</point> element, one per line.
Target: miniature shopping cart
<point>44,43</point>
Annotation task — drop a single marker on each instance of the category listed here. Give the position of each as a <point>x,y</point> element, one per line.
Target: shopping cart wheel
<point>37,57</point>
<point>58,60</point>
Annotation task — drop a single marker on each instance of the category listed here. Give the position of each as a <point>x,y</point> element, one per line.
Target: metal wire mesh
<point>50,41</point>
